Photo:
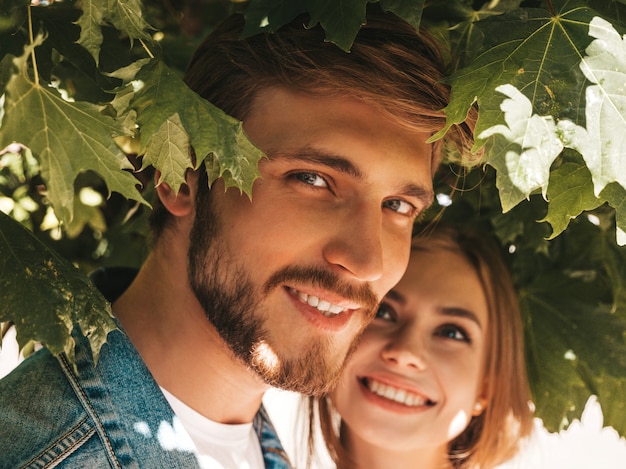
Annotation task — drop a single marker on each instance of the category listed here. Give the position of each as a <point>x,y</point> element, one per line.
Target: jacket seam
<point>90,410</point>
<point>88,432</point>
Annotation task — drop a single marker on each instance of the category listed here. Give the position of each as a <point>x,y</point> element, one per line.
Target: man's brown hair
<point>390,66</point>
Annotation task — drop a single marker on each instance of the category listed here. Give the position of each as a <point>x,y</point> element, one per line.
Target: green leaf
<point>85,215</point>
<point>124,15</point>
<point>168,150</point>
<point>613,261</point>
<point>12,14</point>
<point>615,195</point>
<point>167,109</point>
<point>45,295</point>
<point>460,17</point>
<point>570,193</point>
<point>572,345</point>
<point>605,65</point>
<point>340,19</point>
<point>409,10</point>
<point>536,51</point>
<point>270,15</point>
<point>523,157</point>
<point>67,138</point>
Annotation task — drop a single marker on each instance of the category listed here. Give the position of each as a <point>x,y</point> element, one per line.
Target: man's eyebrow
<point>341,164</point>
<point>462,313</point>
<point>315,156</point>
<point>424,194</point>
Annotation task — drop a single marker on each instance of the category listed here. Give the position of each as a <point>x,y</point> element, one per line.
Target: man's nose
<point>356,245</point>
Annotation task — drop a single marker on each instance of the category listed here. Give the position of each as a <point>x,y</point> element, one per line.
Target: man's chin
<point>309,374</point>
<point>305,387</point>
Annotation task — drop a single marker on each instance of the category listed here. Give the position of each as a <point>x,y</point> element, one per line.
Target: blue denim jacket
<point>112,415</point>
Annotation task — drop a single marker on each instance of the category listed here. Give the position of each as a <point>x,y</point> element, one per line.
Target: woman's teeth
<point>395,394</point>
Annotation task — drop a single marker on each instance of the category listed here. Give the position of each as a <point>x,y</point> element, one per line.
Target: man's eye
<point>450,331</point>
<point>312,179</point>
<point>385,312</point>
<point>400,206</point>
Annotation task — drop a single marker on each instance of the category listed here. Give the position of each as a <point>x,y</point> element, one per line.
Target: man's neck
<point>182,350</point>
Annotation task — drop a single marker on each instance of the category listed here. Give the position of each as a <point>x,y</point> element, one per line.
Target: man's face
<point>290,279</point>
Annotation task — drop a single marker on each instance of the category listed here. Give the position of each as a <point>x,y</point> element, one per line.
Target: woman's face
<point>417,374</point>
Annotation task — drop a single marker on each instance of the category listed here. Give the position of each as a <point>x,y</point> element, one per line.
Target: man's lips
<point>325,305</point>
<point>320,315</point>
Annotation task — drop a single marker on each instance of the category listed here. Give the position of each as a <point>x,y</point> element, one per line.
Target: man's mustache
<point>322,278</point>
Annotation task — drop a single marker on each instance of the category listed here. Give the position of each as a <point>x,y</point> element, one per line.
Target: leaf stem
<point>550,7</point>
<point>32,40</point>
<point>146,48</point>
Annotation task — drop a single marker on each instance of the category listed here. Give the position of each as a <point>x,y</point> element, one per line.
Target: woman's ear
<point>479,406</point>
<point>179,203</point>
<point>481,400</point>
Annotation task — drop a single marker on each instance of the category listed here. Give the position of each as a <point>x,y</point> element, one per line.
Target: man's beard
<point>233,305</point>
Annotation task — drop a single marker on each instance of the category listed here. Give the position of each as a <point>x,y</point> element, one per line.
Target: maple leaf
<point>605,65</point>
<point>564,330</point>
<point>528,148</point>
<point>615,195</point>
<point>171,117</point>
<point>67,138</point>
<point>124,15</point>
<point>409,10</point>
<point>341,20</point>
<point>59,295</point>
<point>570,193</point>
<point>534,49</point>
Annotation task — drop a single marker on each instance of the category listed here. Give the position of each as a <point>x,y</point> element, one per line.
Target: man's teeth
<point>323,306</point>
<point>397,395</point>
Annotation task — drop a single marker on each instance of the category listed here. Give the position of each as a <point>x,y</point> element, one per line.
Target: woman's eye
<point>385,312</point>
<point>453,332</point>
<point>400,206</point>
<point>312,179</point>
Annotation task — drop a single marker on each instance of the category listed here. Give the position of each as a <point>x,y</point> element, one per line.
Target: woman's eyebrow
<point>395,296</point>
<point>462,313</point>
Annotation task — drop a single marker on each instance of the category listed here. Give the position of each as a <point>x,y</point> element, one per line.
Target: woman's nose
<point>405,350</point>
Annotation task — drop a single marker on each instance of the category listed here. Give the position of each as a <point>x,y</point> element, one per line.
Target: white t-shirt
<point>220,446</point>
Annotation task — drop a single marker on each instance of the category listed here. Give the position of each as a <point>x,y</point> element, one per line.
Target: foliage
<point>59,296</point>
<point>91,93</point>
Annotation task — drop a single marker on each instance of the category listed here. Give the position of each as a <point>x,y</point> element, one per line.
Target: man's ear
<point>179,203</point>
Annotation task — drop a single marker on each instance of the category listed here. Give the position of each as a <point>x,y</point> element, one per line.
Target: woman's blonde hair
<point>494,436</point>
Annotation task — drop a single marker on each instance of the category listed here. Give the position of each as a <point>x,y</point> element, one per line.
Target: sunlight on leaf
<point>213,134</point>
<point>525,160</point>
<point>168,149</point>
<point>605,65</point>
<point>534,49</point>
<point>67,138</point>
